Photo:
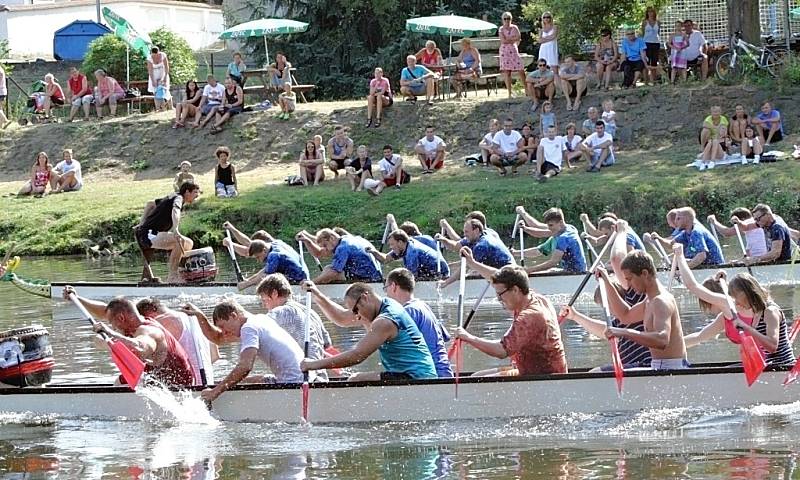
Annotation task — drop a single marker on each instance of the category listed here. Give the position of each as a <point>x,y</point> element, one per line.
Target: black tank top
<point>160,218</point>
<point>224,175</point>
<point>232,98</point>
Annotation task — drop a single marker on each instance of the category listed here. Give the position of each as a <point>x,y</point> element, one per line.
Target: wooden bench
<point>266,88</point>
<point>489,79</point>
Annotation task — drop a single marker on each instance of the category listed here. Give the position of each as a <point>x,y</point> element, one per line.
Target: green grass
<point>642,187</point>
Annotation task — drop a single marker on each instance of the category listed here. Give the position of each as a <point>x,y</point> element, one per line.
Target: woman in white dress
<point>157,70</point>
<point>548,44</point>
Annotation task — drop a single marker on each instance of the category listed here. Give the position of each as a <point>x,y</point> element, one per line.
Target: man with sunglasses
<point>390,331</point>
<point>779,245</point>
<point>534,339</point>
<point>540,83</point>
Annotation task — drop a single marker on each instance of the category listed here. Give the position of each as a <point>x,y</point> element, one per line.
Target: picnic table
<point>266,82</point>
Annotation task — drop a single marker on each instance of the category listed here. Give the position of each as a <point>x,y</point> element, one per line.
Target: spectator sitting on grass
<point>320,149</point>
<point>189,106</point>
<point>738,122</point>
<point>540,84</point>
<point>769,125</point>
<point>487,143</point>
<point>712,125</point>
<point>41,173</point>
<point>587,127</point>
<point>109,91</point>
<point>598,148</point>
<point>80,94</point>
<point>508,149</point>
<point>752,147</point>
<point>212,98</point>
<point>572,142</point>
<point>232,104</point>
<point>184,175</point>
<point>66,176</point>
<point>312,167</point>
<point>53,94</point>
<point>225,182</point>
<point>379,97</point>
<point>551,155</point>
<point>287,101</point>
<point>430,151</point>
<point>392,173</point>
<point>716,146</point>
<point>530,141</point>
<point>359,170</point>
<point>573,82</point>
<point>340,149</point>
<point>416,80</point>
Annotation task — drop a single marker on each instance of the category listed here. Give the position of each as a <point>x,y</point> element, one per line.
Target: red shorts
<point>389,181</point>
<point>434,164</point>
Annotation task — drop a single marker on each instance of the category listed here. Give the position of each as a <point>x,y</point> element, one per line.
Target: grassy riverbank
<point>128,161</point>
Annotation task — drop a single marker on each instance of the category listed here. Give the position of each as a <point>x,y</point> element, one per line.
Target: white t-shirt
<point>214,94</point>
<point>573,145</point>
<point>387,168</point>
<point>276,348</point>
<point>431,146</point>
<point>488,139</point>
<point>593,140</point>
<point>3,90</point>
<point>553,150</point>
<point>64,167</point>
<point>696,42</point>
<point>507,143</point>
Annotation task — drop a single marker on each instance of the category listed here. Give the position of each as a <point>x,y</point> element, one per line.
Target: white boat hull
<point>339,402</point>
<point>546,284</point>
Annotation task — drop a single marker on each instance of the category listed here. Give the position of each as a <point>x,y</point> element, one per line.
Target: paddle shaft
<point>591,270</point>
<point>741,244</point>
<point>232,253</point>
<point>198,356</point>
<point>522,247</point>
<point>672,271</point>
<point>477,304</point>
<point>385,235</point>
<point>306,341</point>
<point>516,227</point>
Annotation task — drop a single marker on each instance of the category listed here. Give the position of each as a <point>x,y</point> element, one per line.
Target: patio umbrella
<point>450,25</point>
<point>263,28</point>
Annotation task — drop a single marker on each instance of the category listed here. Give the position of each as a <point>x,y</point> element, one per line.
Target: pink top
<point>382,84</point>
<point>106,86</point>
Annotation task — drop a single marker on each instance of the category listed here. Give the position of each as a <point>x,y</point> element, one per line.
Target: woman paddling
<point>756,314</point>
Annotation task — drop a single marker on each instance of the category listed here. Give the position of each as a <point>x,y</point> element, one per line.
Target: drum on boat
<point>199,265</point>
<point>26,357</point>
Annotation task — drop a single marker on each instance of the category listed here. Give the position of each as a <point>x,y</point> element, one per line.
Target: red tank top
<point>176,369</point>
<point>75,84</point>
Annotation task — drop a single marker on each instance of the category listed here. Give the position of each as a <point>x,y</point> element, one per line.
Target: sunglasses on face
<point>547,18</point>
<point>542,64</point>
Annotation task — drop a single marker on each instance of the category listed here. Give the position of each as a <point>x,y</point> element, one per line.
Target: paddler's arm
<point>237,235</point>
<point>449,231</point>
<point>595,327</point>
<point>240,250</point>
<point>589,226</point>
<point>718,300</point>
<point>335,312</point>
<point>310,242</point>
<point>709,332</point>
<point>96,309</point>
<point>697,260</point>
<point>381,257</point>
<point>382,330</point>
<point>721,229</point>
<point>211,332</point>
<point>535,232</point>
<point>773,254</point>
<point>327,275</point>
<point>492,348</point>
<point>551,262</point>
<point>619,250</point>
<point>529,220</point>
<point>144,346</point>
<point>485,271</point>
<point>666,243</point>
<point>768,342</point>
<point>391,222</point>
<point>453,245</point>
<point>625,313</point>
<point>242,369</point>
<point>253,279</point>
<point>659,338</point>
<point>528,252</point>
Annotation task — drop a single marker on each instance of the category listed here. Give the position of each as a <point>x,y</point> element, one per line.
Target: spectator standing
<point>109,91</point>
<point>469,66</point>
<point>769,125</point>
<point>540,84</point>
<point>340,149</point>
<point>80,94</point>
<point>548,44</point>
<point>360,169</point>
<point>225,183</point>
<point>379,97</point>
<point>606,56</point>
<point>66,176</point>
<point>4,121</point>
<point>431,151</point>
<point>508,150</point>
<point>237,68</point>
<point>416,80</point>
<point>510,61</point>
<point>651,34</point>
<point>634,51</point>
<point>609,117</point>
<point>678,42</point>
<point>312,166</point>
<point>184,175</point>
<point>696,52</point>
<point>53,94</point>
<point>548,118</point>
<point>157,70</point>
<point>573,82</point>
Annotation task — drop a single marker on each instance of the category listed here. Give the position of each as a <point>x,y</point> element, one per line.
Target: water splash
<point>181,407</point>
<point>764,410</point>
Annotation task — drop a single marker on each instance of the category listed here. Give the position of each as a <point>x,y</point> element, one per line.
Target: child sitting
<point>547,118</point>
<point>183,176</point>
<point>286,100</point>
<point>610,117</point>
<point>225,174</point>
<point>487,143</point>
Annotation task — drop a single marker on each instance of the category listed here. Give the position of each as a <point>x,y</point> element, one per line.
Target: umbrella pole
<point>128,71</point>
<point>266,52</point>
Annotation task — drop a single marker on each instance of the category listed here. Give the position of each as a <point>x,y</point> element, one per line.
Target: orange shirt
<point>534,339</point>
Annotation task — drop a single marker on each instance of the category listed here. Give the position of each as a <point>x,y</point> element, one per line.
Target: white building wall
<point>29,29</point>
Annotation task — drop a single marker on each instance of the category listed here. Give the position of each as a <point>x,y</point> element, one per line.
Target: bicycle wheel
<point>773,61</point>
<point>726,71</point>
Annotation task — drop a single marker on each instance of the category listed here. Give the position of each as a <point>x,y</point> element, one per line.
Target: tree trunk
<point>743,16</point>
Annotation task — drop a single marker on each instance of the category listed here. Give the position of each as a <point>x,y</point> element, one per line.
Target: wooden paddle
<point>741,244</point>
<point>232,254</point>
<point>588,274</point>
<point>130,366</point>
<point>522,247</point>
<point>306,341</point>
<point>452,351</point>
<point>616,361</point>
<point>462,280</point>
<point>753,361</point>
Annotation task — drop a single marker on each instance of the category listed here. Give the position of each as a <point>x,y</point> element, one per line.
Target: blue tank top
<point>407,352</point>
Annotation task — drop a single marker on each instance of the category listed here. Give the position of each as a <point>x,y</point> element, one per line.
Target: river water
<point>755,443</point>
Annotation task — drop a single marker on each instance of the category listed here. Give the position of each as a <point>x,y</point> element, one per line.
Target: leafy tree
<point>580,21</point>
<point>108,52</point>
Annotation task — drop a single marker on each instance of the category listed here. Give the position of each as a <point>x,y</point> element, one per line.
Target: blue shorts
<point>207,108</point>
<point>418,89</point>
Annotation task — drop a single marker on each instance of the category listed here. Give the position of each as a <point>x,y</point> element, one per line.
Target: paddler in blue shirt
<point>351,261</point>
<point>424,262</point>
<point>390,330</point>
<point>487,249</point>
<point>567,251</point>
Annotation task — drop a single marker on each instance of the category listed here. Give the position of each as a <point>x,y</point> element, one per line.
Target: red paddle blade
<point>795,329</point>
<point>457,357</point>
<point>333,351</point>
<point>454,355</point>
<point>305,401</point>
<point>130,366</point>
<point>793,374</point>
<point>752,358</point>
<point>616,361</point>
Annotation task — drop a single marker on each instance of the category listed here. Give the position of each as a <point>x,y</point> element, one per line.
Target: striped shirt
<point>784,355</point>
<point>631,353</point>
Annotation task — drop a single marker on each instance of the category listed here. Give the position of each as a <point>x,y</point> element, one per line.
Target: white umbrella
<point>451,25</point>
<point>263,28</point>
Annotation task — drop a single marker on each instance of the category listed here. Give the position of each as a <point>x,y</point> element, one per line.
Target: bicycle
<point>732,65</point>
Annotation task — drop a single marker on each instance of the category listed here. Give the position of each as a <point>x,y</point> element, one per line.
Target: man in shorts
<point>416,80</point>
<point>634,51</point>
<point>696,53</point>
<point>393,174</point>
<point>769,125</point>
<point>573,82</point>
<point>67,174</point>
<point>598,148</point>
<point>551,155</point>
<point>508,152</point>
<point>431,151</point>
<point>340,149</point>
<point>540,83</point>
<point>211,99</point>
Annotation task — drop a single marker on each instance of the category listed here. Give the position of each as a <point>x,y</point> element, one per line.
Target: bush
<point>108,52</point>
